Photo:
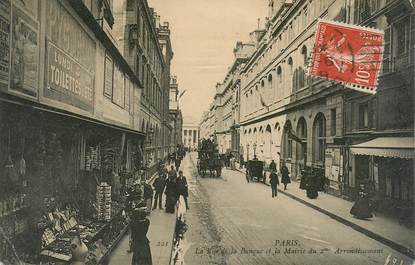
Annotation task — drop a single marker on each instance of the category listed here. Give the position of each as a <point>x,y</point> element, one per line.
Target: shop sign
<point>25,51</point>
<point>4,44</point>
<point>70,63</point>
<point>67,80</point>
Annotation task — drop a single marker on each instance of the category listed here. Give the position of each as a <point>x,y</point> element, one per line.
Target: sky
<point>203,35</point>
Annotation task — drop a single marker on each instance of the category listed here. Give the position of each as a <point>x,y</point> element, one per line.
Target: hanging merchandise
<point>92,159</point>
<point>103,201</point>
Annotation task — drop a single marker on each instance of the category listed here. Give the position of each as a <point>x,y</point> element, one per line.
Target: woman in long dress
<point>171,194</point>
<point>140,243</point>
<point>285,176</point>
<point>362,208</point>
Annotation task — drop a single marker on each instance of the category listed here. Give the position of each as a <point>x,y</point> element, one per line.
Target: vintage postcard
<point>195,132</point>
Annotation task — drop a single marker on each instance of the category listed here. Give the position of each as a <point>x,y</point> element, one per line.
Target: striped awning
<point>399,147</point>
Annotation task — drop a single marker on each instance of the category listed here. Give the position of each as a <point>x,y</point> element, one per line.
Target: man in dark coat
<point>182,188</point>
<point>140,244</point>
<point>285,176</point>
<point>273,180</point>
<point>159,185</point>
<point>172,173</point>
<point>272,166</point>
<point>177,162</point>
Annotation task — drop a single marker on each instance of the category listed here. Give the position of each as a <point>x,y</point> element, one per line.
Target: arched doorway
<point>268,143</point>
<point>261,144</point>
<point>301,147</point>
<point>286,145</point>
<point>319,139</point>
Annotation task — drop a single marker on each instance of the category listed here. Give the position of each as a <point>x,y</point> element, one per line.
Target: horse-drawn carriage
<point>209,159</point>
<point>254,170</point>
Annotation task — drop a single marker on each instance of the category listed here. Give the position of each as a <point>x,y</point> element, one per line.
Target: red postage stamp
<point>349,54</point>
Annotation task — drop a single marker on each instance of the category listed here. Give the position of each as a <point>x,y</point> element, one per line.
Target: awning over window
<point>400,147</point>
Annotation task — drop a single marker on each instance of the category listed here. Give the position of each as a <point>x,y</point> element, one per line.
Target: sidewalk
<point>383,229</point>
<point>160,235</point>
<point>161,238</point>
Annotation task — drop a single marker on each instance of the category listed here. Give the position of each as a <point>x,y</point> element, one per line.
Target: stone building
<point>190,133</point>
<point>226,102</point>
<point>146,46</point>
<point>277,98</point>
<point>379,129</point>
<point>349,137</point>
<point>70,109</point>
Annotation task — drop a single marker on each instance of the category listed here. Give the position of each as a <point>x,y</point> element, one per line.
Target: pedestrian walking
<point>311,187</point>
<point>140,244</point>
<point>172,173</point>
<point>171,194</point>
<point>272,166</point>
<point>241,161</point>
<point>177,163</point>
<point>182,188</point>
<point>159,184</point>
<point>273,180</point>
<point>247,176</point>
<point>285,176</point>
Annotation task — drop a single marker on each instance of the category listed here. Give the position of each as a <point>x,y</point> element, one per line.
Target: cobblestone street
<point>233,222</point>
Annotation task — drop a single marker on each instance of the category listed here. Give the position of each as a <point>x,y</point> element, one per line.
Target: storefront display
<point>103,195</point>
<point>60,178</point>
<point>98,237</point>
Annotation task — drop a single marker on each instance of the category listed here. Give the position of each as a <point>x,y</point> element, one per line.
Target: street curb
<point>396,246</point>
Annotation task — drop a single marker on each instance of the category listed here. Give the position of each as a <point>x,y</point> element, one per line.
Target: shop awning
<point>399,147</point>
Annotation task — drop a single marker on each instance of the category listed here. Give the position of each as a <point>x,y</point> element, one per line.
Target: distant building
<point>191,133</point>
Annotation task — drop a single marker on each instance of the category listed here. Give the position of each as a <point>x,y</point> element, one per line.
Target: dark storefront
<point>52,168</point>
<point>384,166</point>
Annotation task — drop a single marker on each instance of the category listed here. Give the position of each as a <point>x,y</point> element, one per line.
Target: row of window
<point>295,79</point>
<point>148,64</point>
<point>149,43</point>
<point>152,90</point>
<point>309,12</point>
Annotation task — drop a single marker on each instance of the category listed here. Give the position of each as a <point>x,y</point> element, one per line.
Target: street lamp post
<point>254,149</point>
<point>247,152</point>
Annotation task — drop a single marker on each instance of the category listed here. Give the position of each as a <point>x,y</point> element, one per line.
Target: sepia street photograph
<point>207,132</point>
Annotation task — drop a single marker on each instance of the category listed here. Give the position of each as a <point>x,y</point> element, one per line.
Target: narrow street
<point>233,222</point>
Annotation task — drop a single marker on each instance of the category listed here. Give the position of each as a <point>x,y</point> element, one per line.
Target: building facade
<point>146,46</point>
<point>226,104</point>
<point>70,115</point>
<point>379,129</point>
<point>302,121</point>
